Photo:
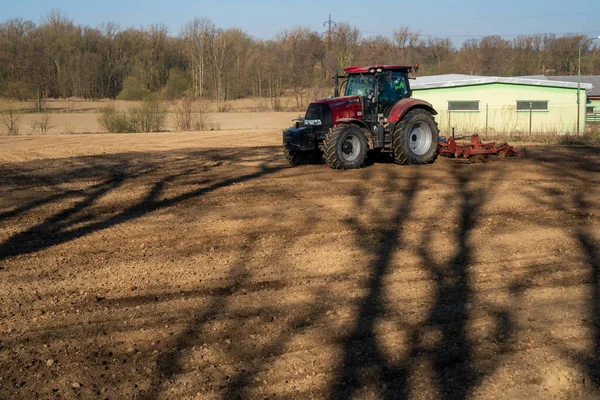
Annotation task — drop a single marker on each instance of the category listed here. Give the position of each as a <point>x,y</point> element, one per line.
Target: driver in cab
<point>390,91</point>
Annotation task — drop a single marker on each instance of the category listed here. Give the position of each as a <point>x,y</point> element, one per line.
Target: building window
<point>590,110</point>
<point>526,105</point>
<point>463,105</point>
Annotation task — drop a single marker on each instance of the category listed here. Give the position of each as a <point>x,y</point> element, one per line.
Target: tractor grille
<point>322,112</point>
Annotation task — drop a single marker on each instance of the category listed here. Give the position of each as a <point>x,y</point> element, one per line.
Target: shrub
<point>149,116</point>
<point>133,89</point>
<point>113,120</point>
<point>224,107</point>
<point>43,123</point>
<point>191,116</point>
<point>177,85</point>
<point>586,139</point>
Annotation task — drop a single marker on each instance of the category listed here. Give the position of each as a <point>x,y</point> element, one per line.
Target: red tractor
<point>376,112</point>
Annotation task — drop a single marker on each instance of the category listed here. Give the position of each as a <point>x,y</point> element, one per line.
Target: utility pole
<point>329,23</point>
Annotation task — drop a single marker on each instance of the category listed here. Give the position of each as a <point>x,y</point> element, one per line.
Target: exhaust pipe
<point>336,82</point>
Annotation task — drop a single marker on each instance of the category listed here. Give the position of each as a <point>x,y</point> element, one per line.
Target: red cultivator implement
<point>450,148</point>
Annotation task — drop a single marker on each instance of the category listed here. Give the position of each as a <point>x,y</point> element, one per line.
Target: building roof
<point>455,80</point>
<point>594,80</point>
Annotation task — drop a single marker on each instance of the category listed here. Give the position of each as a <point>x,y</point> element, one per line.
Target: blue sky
<point>264,18</point>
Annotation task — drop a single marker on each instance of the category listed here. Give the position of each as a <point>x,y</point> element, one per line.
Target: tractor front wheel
<point>415,140</point>
<point>345,147</point>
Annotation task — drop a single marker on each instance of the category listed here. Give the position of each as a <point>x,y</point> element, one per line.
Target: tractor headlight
<point>312,122</point>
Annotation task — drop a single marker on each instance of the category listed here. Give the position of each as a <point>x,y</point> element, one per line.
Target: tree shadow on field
<point>236,322</point>
<point>591,251</point>
<point>81,218</point>
<point>364,363</point>
<point>77,221</point>
<point>61,195</point>
<point>457,371</point>
<point>169,362</point>
<point>109,172</point>
<point>576,179</point>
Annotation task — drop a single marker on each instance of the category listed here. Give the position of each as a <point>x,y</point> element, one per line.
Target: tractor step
<point>449,147</point>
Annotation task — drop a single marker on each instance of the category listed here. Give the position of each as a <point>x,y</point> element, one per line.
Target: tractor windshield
<point>360,85</point>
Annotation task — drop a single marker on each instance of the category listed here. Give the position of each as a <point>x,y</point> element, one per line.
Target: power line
<point>405,18</point>
<point>462,36</point>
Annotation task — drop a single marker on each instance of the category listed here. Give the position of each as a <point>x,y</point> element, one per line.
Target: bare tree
<point>564,52</point>
<point>495,54</point>
<point>60,59</point>
<point>196,36</point>
<point>43,123</point>
<point>190,115</point>
<point>61,39</point>
<point>472,57</point>
<point>345,43</point>
<point>10,118</point>
<point>527,55</point>
<point>301,49</point>
<point>436,51</point>
<point>405,41</point>
<point>377,50</point>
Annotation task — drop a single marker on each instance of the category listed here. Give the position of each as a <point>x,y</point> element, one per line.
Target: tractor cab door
<point>360,85</point>
<point>364,85</point>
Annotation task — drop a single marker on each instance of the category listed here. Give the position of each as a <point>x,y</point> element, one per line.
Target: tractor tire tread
<point>330,155</point>
<point>291,156</point>
<point>298,157</point>
<point>400,154</point>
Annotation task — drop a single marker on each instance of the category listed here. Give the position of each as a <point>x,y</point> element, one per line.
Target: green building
<point>478,104</point>
<point>593,96</point>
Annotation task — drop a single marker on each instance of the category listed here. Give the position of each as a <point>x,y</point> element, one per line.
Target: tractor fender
<point>405,105</point>
<point>360,124</point>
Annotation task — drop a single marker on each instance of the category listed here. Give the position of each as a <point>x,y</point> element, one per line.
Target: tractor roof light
<point>379,70</point>
<point>371,70</point>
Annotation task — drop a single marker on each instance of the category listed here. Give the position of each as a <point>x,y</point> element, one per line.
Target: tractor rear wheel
<point>345,147</point>
<point>299,157</point>
<point>415,140</point>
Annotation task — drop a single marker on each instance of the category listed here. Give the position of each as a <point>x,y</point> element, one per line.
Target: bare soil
<point>81,116</point>
<point>79,105</point>
<point>201,266</point>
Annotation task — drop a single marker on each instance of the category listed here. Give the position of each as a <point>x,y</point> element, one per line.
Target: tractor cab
<point>372,111</point>
<point>382,86</point>
<point>385,88</point>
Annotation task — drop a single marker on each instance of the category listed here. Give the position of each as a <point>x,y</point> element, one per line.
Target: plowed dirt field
<point>201,266</point>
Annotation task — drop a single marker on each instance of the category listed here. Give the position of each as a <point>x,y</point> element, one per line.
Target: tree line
<point>60,59</point>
